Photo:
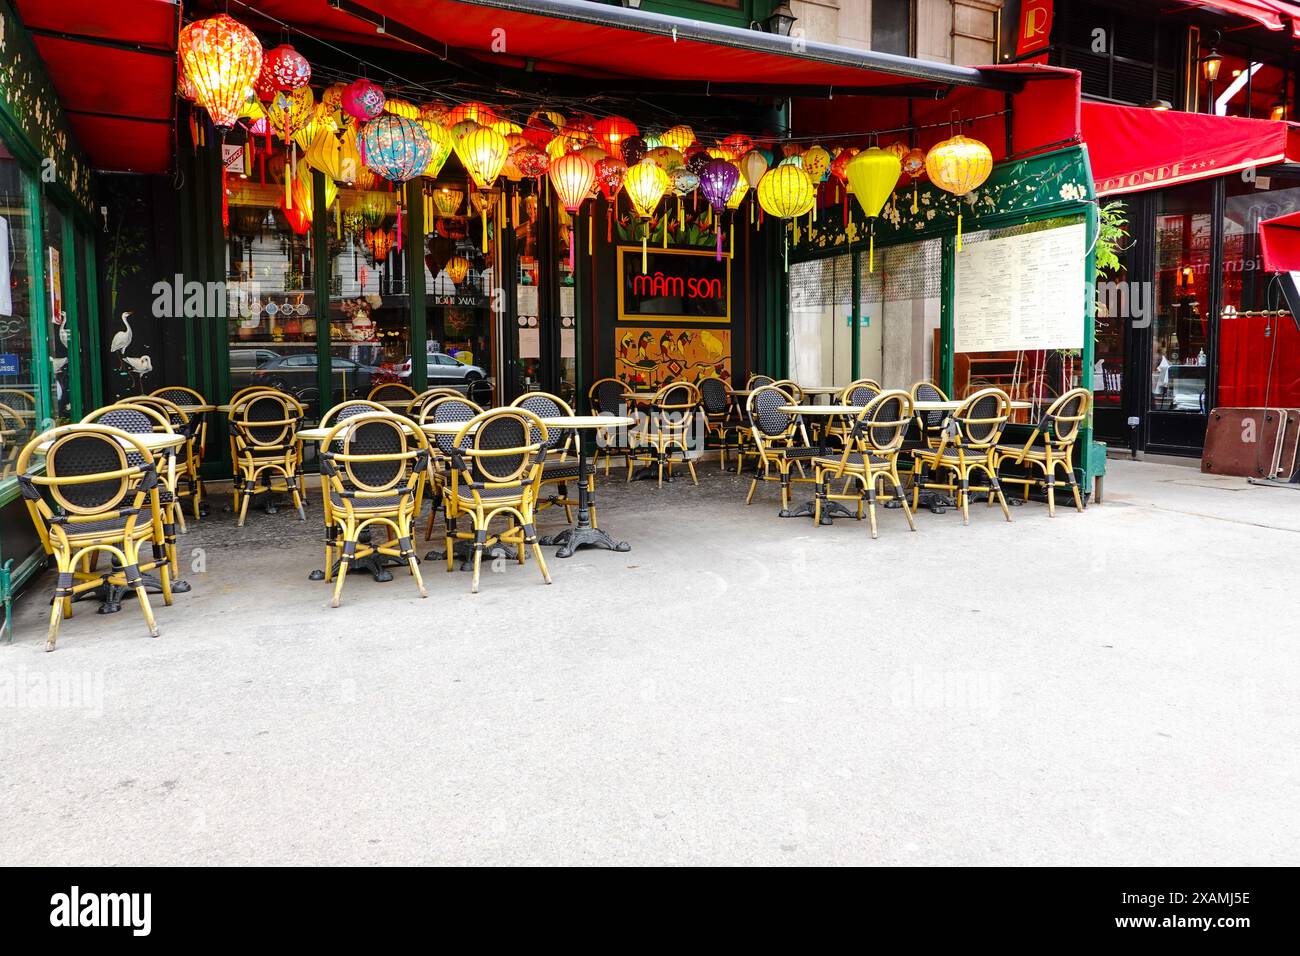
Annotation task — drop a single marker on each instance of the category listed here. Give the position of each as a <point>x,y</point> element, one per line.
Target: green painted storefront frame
<point>1071,162</point>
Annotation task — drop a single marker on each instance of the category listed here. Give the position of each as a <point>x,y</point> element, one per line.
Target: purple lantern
<point>717,182</point>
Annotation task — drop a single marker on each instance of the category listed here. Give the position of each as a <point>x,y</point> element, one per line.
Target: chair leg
<point>404,543</point>
<point>753,485</point>
<point>63,590</point>
<point>902,499</point>
<point>995,488</point>
<point>963,495</point>
<point>690,464</point>
<point>480,542</point>
<point>243,509</point>
<point>871,506</point>
<point>349,549</point>
<point>530,539</point>
<point>449,542</point>
<point>136,583</point>
<point>1074,487</point>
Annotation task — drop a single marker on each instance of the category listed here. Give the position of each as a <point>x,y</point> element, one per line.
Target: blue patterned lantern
<point>395,147</point>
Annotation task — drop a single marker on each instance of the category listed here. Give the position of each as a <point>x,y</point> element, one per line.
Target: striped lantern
<point>483,153</point>
<point>959,165</point>
<point>645,184</point>
<point>221,58</point>
<point>787,193</point>
<point>395,147</point>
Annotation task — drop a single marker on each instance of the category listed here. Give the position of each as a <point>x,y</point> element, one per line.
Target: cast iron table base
<point>584,534</point>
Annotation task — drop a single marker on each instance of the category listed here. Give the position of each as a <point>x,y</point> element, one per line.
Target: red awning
<point>1133,148</point>
<point>113,66</point>
<point>1279,241</point>
<point>1272,14</point>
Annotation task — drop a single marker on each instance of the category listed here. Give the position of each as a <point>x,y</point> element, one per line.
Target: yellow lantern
<point>326,154</point>
<point>351,168</point>
<point>290,113</point>
<point>457,268</point>
<point>221,58</point>
<point>959,165</point>
<point>447,201</point>
<point>322,120</point>
<point>440,140</point>
<point>645,184</point>
<point>403,108</point>
<point>738,194</point>
<point>679,138</point>
<point>873,174</point>
<point>483,153</point>
<point>787,193</point>
<point>816,161</point>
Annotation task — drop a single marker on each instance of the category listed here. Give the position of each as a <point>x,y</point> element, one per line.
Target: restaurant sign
<point>681,285</point>
<point>1035,32</point>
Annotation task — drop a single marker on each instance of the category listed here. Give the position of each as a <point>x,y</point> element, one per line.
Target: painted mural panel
<point>649,357</point>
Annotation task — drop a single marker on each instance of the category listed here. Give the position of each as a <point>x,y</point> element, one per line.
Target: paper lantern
<point>610,174</point>
<point>351,168</point>
<point>531,161</point>
<point>403,108</point>
<point>478,112</point>
<point>264,87</point>
<point>572,176</point>
<point>457,268</point>
<point>612,131</point>
<point>816,163</point>
<point>794,159</point>
<point>679,138</point>
<point>322,121</point>
<point>221,58</point>
<point>873,173</point>
<point>592,154</point>
<point>284,68</point>
<point>665,157</point>
<point>458,131</point>
<point>435,112</point>
<point>483,153</point>
<point>753,165</point>
<point>447,200</point>
<point>786,192</point>
<point>378,243</point>
<point>645,184</point>
<point>540,127</point>
<point>326,154</point>
<point>439,145</point>
<point>332,98</point>
<point>914,166</point>
<point>634,150</point>
<point>738,194</point>
<point>959,165</point>
<point>898,148</point>
<point>395,147</point>
<point>683,181</point>
<point>717,184</point>
<point>289,113</point>
<point>737,145</point>
<point>363,99</point>
<point>839,163</point>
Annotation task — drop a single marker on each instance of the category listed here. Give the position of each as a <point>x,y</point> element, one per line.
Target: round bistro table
<point>832,509</point>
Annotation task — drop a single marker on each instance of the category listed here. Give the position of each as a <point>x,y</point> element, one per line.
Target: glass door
<point>1181,340</point>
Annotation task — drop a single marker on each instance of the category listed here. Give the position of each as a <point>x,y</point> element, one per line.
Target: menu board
<point>1021,293</point>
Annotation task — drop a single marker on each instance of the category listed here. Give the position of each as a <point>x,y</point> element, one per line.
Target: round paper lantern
<point>478,112</point>
<point>683,181</point>
<point>737,145</point>
<point>592,154</point>
<point>679,138</point>
<point>402,108</point>
<point>738,194</point>
<point>914,163</point>
<point>873,173</point>
<point>645,184</point>
<point>457,268</point>
<point>332,98</point>
<point>462,129</point>
<point>439,145</point>
<point>718,182</point>
<point>959,165</point>
<point>612,131</point>
<point>292,112</point>
<point>634,150</point>
<point>791,149</point>
<point>816,163</point>
<point>794,159</point>
<point>840,161</point>
<point>505,127</point>
<point>435,112</point>
<point>447,201</point>
<point>363,99</point>
<point>898,148</point>
<point>264,88</point>
<point>483,153</point>
<point>284,68</point>
<point>541,126</point>
<point>221,58</point>
<point>531,161</point>
<point>786,192</point>
<point>610,174</point>
<point>395,147</point>
<point>753,165</point>
<point>665,157</point>
<point>572,176</point>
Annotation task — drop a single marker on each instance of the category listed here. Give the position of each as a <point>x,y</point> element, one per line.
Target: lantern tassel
<point>645,266</point>
<point>571,225</point>
<point>609,222</point>
<point>399,227</point>
<point>591,226</point>
<point>871,248</point>
<point>717,255</point>
<point>914,197</point>
<point>959,229</point>
<point>731,246</point>
<point>288,187</point>
<point>665,230</point>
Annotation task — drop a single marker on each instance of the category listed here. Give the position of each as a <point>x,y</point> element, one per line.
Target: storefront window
<point>1259,355</point>
<point>1180,326</point>
<point>271,304</point>
<point>17,373</point>
<point>821,321</point>
<point>528,278</point>
<point>56,305</point>
<point>461,293</point>
<point>898,314</point>
<point>566,238</point>
<point>1118,302</point>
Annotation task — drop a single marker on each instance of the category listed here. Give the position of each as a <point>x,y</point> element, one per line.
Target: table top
<point>557,421</point>
<point>154,441</point>
<point>822,409</point>
<point>195,409</point>
<point>822,389</point>
<point>953,404</point>
<point>319,433</point>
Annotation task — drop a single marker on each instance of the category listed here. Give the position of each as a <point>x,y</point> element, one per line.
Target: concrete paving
<point>1116,687</point>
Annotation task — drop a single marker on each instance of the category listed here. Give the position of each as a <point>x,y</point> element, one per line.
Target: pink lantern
<point>363,99</point>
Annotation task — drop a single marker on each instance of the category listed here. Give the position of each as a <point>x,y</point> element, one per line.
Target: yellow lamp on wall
<point>873,174</point>
<point>959,165</point>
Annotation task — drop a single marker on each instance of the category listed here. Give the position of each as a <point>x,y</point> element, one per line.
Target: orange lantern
<point>959,165</point>
<point>457,268</point>
<point>221,58</point>
<point>611,131</point>
<point>572,175</point>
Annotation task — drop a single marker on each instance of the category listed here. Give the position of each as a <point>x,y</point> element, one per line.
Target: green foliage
<point>1112,223</point>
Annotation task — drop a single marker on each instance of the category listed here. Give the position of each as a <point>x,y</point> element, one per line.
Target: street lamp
<point>781,20</point>
<point>1279,110</point>
<point>1210,64</point>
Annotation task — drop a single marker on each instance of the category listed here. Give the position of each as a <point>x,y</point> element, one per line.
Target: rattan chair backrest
<point>765,415</point>
<point>267,420</point>
<point>449,409</point>
<point>1067,415</point>
<point>982,417</point>
<point>546,405</point>
<point>506,446</point>
<point>860,392</point>
<point>391,392</point>
<point>349,409</point>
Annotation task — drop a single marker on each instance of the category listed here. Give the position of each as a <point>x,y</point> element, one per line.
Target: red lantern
<point>221,58</point>
<point>298,217</point>
<point>737,145</point>
<point>284,68</point>
<point>612,131</point>
<point>363,99</point>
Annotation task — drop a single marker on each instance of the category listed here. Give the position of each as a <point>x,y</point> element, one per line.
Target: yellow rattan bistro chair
<point>417,404</point>
<point>720,419</point>
<point>870,456</point>
<point>195,448</point>
<point>967,444</point>
<point>609,396</point>
<point>1050,446</point>
<point>668,428</point>
<point>391,392</point>
<point>187,484</point>
<point>496,469</point>
<point>373,468</point>
<point>98,502</point>
<point>267,455</point>
<point>560,470</point>
<point>859,393</point>
<point>443,411</point>
<point>780,440</point>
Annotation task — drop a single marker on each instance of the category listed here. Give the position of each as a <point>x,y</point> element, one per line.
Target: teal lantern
<point>395,147</point>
